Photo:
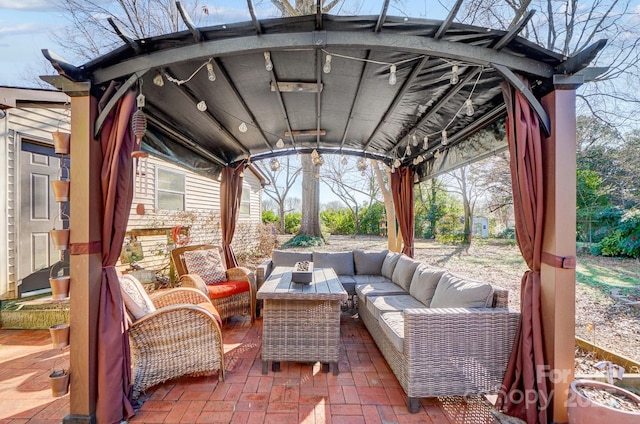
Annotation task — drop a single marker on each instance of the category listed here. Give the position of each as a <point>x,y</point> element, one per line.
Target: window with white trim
<point>245,202</point>
<point>170,189</point>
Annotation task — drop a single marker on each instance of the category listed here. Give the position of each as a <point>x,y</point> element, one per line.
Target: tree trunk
<point>394,241</point>
<point>281,214</point>
<point>310,199</point>
<point>467,206</point>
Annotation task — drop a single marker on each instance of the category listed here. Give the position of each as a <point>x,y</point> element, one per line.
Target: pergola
<point>409,92</point>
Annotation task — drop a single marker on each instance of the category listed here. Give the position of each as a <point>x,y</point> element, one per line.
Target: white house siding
<point>30,122</point>
<point>201,215</point>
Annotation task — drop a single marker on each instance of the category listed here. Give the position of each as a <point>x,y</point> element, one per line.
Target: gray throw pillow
<point>341,262</point>
<point>389,264</point>
<point>457,292</point>
<point>369,263</point>
<point>403,272</point>
<point>284,258</point>
<point>424,283</point>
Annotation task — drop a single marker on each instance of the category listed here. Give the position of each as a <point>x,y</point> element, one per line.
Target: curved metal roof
<point>352,109</point>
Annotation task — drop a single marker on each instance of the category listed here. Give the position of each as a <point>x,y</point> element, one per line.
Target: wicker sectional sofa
<point>440,333</point>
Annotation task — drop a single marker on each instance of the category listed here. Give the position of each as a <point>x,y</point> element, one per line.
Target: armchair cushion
<point>424,283</point>
<point>457,292</point>
<point>136,300</point>
<point>207,264</point>
<point>227,288</point>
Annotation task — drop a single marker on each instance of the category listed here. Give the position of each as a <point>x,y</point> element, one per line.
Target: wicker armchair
<point>239,299</point>
<point>173,333</point>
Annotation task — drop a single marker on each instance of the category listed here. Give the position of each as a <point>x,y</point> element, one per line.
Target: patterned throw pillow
<point>207,264</point>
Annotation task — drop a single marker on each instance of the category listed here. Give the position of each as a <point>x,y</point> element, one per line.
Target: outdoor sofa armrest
<point>175,296</point>
<point>461,348</point>
<point>263,271</point>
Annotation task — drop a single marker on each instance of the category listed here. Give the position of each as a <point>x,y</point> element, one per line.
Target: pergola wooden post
<point>558,283</point>
<point>86,256</point>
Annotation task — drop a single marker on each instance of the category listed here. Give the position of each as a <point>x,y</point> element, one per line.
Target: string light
<point>211,75</point>
<point>407,152</point>
<point>425,144</point>
<point>415,178</point>
<point>274,164</point>
<point>392,75</point>
<point>414,139</point>
<point>180,82</point>
<point>158,80</point>
<point>362,165</point>
<point>280,143</point>
<point>202,106</point>
<point>344,160</point>
<point>445,139</point>
<point>327,64</point>
<point>243,127</point>
<point>468,104</point>
<point>396,163</point>
<point>268,64</point>
<point>454,75</point>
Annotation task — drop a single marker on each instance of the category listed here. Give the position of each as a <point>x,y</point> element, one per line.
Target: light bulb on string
<point>274,164</point>
<point>202,106</point>
<point>396,163</point>
<point>393,169</point>
<point>454,75</point>
<point>327,64</point>
<point>420,159</point>
<point>210,74</point>
<point>243,128</point>
<point>280,143</point>
<point>425,142</point>
<point>414,139</point>
<point>158,80</point>
<point>315,154</point>
<point>407,151</point>
<point>268,64</point>
<point>445,138</point>
<point>415,178</point>
<point>468,105</point>
<point>344,160</point>
<point>392,75</point>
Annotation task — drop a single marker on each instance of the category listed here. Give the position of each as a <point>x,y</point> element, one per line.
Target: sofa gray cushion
<point>369,263</point>
<point>370,279</point>
<point>457,292</point>
<point>403,272</point>
<point>348,282</point>
<point>389,264</point>
<point>424,283</point>
<point>377,289</point>
<point>284,258</point>
<point>341,262</point>
<point>380,304</point>
<point>392,325</point>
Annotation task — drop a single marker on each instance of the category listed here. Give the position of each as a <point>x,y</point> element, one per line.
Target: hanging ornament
<point>362,165</point>
<point>140,171</point>
<point>344,160</point>
<point>274,164</point>
<point>139,119</point>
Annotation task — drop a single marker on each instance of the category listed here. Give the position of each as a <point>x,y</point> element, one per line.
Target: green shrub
<point>370,218</point>
<point>270,217</point>
<point>625,240</point>
<point>450,237</point>
<point>292,222</point>
<point>338,221</point>
<point>304,241</point>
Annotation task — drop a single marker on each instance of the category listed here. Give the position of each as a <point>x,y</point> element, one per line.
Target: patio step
<point>33,313</point>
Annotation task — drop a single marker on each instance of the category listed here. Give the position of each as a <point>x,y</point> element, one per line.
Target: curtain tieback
<point>567,262</point>
<point>85,248</point>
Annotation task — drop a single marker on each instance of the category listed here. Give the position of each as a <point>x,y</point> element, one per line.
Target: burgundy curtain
<point>230,196</point>
<point>114,360</point>
<point>402,191</point>
<point>524,389</point>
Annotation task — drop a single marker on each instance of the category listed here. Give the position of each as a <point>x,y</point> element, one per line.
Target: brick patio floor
<point>365,391</point>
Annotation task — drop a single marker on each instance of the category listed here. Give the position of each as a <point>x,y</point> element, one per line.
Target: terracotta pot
<point>59,335</point>
<point>61,141</point>
<point>582,410</point>
<point>61,190</point>
<point>59,287</point>
<point>60,239</point>
<point>59,380</point>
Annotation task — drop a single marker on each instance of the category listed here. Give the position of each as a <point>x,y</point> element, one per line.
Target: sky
<point>26,27</point>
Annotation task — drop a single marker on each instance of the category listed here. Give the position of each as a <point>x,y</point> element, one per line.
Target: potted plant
<point>594,402</point>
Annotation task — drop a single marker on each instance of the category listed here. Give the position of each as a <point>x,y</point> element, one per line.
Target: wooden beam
<point>197,35</point>
<point>254,19</point>
<point>448,21</point>
<point>124,36</point>
<point>517,83</point>
<point>382,17</point>
<point>296,133</point>
<point>513,32</point>
<point>114,99</point>
<point>63,67</point>
<point>297,87</point>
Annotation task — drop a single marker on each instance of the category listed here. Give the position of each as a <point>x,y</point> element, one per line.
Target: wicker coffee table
<point>301,322</point>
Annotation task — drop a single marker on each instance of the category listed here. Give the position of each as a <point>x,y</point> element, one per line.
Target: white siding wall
<point>23,122</point>
<point>202,212</point>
